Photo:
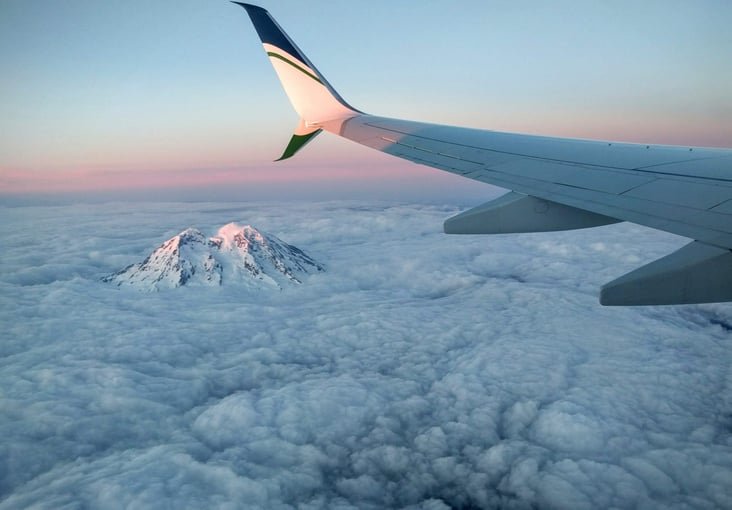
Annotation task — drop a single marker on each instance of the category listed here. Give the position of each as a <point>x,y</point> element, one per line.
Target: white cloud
<point>421,371</point>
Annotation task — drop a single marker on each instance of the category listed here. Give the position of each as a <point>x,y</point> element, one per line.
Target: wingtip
<point>249,7</point>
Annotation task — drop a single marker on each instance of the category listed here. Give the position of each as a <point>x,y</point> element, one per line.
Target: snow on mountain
<point>240,254</point>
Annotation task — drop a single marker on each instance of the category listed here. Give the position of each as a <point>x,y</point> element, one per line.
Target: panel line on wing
<point>423,149</point>
<point>564,161</point>
<point>707,158</point>
<point>487,149</point>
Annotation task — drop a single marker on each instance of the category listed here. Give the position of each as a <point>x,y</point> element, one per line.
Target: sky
<point>418,371</point>
<point>176,98</point>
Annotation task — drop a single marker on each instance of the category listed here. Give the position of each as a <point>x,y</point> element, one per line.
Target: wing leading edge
<point>556,183</point>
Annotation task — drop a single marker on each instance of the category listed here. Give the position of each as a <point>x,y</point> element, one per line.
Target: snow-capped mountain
<point>236,254</point>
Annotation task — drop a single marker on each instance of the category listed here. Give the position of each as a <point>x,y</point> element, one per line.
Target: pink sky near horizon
<point>334,161</point>
<point>21,181</point>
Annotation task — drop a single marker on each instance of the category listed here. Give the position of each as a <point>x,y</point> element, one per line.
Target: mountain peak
<point>236,254</point>
<point>240,236</point>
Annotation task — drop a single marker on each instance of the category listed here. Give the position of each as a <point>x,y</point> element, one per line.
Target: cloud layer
<point>421,371</point>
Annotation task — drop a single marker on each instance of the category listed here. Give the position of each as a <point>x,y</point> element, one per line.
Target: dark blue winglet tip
<point>269,32</point>
<point>249,7</point>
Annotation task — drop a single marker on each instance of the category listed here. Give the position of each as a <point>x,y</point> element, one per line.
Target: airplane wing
<point>555,183</point>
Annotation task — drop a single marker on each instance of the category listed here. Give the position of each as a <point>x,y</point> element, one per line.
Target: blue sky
<point>104,95</point>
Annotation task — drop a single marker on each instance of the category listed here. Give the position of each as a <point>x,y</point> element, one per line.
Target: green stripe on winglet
<point>293,64</point>
<point>297,142</point>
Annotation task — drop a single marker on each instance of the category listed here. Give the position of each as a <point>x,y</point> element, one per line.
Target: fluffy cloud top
<point>421,371</point>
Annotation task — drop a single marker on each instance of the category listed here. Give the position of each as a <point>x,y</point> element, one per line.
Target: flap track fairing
<point>515,213</point>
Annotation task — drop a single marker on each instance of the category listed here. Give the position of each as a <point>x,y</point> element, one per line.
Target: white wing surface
<point>556,183</point>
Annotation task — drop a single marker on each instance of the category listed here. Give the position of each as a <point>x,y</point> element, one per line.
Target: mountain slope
<point>236,254</point>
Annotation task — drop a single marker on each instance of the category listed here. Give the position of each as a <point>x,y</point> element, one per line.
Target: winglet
<point>314,99</point>
<point>269,32</point>
<point>300,138</point>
